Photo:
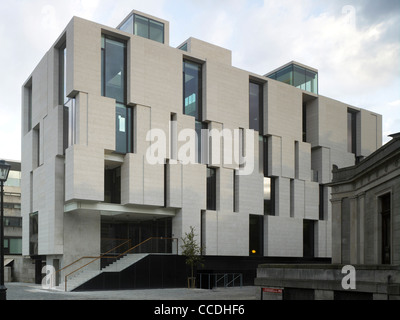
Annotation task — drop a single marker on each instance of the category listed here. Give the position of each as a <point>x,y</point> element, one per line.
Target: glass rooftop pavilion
<point>145,26</point>
<point>297,75</point>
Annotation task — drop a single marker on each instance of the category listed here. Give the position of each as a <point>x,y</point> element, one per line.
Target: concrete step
<point>83,276</point>
<point>124,263</point>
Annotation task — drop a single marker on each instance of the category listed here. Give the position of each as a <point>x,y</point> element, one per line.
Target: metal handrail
<point>95,259</point>
<point>91,257</point>
<point>122,254</point>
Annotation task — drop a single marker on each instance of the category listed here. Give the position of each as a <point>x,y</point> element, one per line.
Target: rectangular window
<point>13,246</point>
<point>33,233</point>
<point>114,69</point>
<point>285,75</point>
<point>192,89</point>
<point>141,27</point>
<point>114,85</point>
<point>112,185</point>
<point>173,137</point>
<point>304,118</point>
<point>308,238</point>
<point>144,27</point>
<point>351,131</point>
<point>124,124</point>
<point>15,222</point>
<point>128,25</point>
<point>269,196</point>
<point>256,107</point>
<point>321,202</point>
<point>156,31</point>
<point>36,147</point>
<point>256,232</point>
<point>299,77</point>
<point>62,74</point>
<point>235,192</point>
<point>69,138</point>
<point>201,129</point>
<point>29,106</point>
<point>211,189</point>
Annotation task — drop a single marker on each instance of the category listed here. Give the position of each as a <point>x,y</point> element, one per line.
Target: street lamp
<point>4,170</point>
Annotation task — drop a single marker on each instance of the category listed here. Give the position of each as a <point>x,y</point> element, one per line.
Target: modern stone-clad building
<point>126,138</point>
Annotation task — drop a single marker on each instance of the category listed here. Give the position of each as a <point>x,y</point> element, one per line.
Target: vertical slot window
<point>62,74</point>
<point>112,185</point>
<point>28,104</point>
<point>173,137</point>
<point>211,189</point>
<point>256,107</point>
<point>256,239</point>
<point>192,89</point>
<point>235,192</point>
<point>124,121</point>
<point>351,131</point>
<point>114,69</point>
<point>114,80</point>
<point>304,118</point>
<point>308,238</point>
<point>321,202</point>
<point>33,233</point>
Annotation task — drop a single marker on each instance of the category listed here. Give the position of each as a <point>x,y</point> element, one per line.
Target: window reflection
<point>192,89</point>
<point>297,76</point>
<point>144,27</point>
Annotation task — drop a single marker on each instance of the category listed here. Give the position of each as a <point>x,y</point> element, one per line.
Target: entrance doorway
<point>115,233</point>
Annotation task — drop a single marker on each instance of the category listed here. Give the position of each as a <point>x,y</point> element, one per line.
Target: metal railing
<point>139,248</point>
<point>223,279</point>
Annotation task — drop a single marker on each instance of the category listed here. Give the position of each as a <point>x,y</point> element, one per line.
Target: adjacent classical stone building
<point>365,235</point>
<point>126,138</point>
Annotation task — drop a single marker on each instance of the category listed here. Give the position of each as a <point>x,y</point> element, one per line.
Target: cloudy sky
<point>355,44</point>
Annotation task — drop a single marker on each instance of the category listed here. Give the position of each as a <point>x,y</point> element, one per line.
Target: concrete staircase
<point>81,277</point>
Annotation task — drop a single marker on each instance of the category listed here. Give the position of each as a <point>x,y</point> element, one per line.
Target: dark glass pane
<point>157,31</point>
<point>112,186</point>
<point>33,233</point>
<point>311,81</point>
<point>128,25</point>
<point>256,235</point>
<point>192,89</point>
<point>321,203</point>
<point>184,47</point>
<point>211,189</point>
<point>299,77</point>
<point>269,196</point>
<point>141,26</point>
<point>255,106</point>
<point>308,238</point>
<point>199,126</point>
<point>351,132</point>
<point>285,75</point>
<point>62,56</point>
<point>114,76</point>
<point>123,129</point>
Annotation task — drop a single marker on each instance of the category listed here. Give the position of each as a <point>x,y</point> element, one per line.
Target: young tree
<point>191,250</point>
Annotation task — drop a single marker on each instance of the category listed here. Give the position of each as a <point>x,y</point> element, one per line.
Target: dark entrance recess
<point>114,233</point>
<point>256,239</point>
<point>308,238</point>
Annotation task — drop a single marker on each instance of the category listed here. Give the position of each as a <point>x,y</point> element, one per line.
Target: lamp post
<point>4,170</point>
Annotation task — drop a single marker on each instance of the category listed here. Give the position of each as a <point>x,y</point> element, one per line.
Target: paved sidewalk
<point>27,291</point>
